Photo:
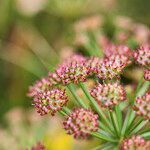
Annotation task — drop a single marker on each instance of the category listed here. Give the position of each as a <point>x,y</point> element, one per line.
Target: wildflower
<point>142,106</point>
<point>91,64</point>
<point>108,95</point>
<point>39,86</point>
<point>38,146</point>
<point>76,57</point>
<point>147,75</point>
<point>136,143</point>
<point>142,55</point>
<point>89,24</point>
<point>50,101</point>
<point>72,72</point>
<point>81,122</point>
<point>112,66</point>
<point>117,50</point>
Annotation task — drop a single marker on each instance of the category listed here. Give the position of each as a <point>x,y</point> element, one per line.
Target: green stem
<point>143,89</point>
<point>115,123</point>
<point>95,105</point>
<point>146,135</point>
<point>103,137</point>
<point>138,87</point>
<point>62,113</point>
<point>139,127</point>
<point>119,116</point>
<point>105,128</point>
<point>66,110</point>
<point>134,126</point>
<point>78,99</point>
<point>125,122</point>
<point>131,120</point>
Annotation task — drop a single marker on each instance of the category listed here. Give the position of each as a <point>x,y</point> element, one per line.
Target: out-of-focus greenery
<point>35,29</point>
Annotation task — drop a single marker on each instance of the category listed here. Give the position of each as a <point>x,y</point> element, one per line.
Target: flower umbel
<point>142,55</point>
<point>108,95</point>
<point>142,106</point>
<point>73,72</point>
<point>117,50</point>
<point>112,66</point>
<point>147,75</point>
<point>81,122</point>
<point>39,86</point>
<point>38,146</point>
<point>50,101</point>
<point>135,143</point>
<point>92,64</point>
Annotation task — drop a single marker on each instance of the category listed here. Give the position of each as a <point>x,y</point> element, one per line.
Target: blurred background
<point>34,36</point>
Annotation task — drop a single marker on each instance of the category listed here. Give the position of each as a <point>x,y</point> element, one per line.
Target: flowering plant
<point>120,119</point>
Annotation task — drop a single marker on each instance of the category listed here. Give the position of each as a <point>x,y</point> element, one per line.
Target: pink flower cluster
<point>112,66</point>
<point>73,70</point>
<point>142,106</point>
<point>81,122</point>
<point>38,146</point>
<point>117,50</point>
<point>147,74</point>
<point>142,55</point>
<point>50,101</point>
<point>39,86</point>
<point>135,143</point>
<point>108,95</point>
<point>92,63</point>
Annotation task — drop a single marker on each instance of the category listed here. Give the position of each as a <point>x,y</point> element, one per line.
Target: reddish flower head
<point>39,86</point>
<point>50,101</point>
<point>142,55</point>
<point>117,50</point>
<point>112,66</point>
<point>108,95</point>
<point>135,143</point>
<point>72,72</point>
<point>142,106</point>
<point>81,122</point>
<point>38,146</point>
<point>92,64</point>
<point>147,75</point>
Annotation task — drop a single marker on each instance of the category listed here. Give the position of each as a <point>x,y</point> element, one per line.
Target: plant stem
<point>139,127</point>
<point>131,120</point>
<point>66,110</point>
<point>145,135</point>
<point>125,122</point>
<point>95,105</point>
<point>103,137</point>
<point>115,123</point>
<point>143,89</point>
<point>78,99</point>
<point>62,113</point>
